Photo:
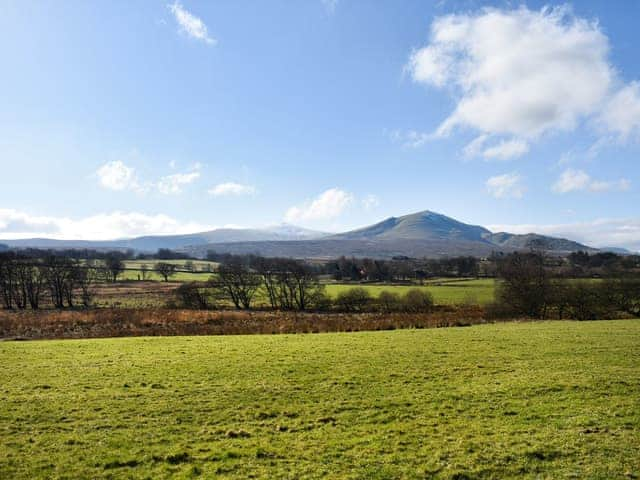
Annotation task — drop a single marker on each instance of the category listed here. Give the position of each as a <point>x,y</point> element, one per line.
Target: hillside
<point>421,234</point>
<point>150,243</point>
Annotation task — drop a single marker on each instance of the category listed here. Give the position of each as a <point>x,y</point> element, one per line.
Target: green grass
<point>444,291</point>
<point>528,400</point>
<point>200,272</point>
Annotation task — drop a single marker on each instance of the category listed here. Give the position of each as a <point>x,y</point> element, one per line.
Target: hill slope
<point>422,234</point>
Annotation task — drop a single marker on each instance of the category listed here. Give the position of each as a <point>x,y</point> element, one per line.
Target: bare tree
<point>114,265</point>
<point>165,270</point>
<point>144,271</point>
<point>525,285</point>
<point>239,283</point>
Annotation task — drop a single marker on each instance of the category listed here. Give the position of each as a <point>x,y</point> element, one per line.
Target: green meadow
<point>514,400</point>
<point>449,292</point>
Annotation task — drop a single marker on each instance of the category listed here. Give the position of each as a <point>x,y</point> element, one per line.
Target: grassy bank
<point>520,400</point>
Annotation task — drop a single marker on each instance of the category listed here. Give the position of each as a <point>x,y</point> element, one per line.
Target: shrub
<point>193,295</point>
<point>319,300</point>
<point>585,301</point>
<point>389,301</point>
<point>353,300</point>
<point>417,301</point>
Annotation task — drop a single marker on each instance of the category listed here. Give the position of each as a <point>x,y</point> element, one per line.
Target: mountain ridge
<point>424,233</point>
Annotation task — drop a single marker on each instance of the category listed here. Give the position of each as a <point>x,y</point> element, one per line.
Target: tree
<point>165,270</point>
<point>114,265</point>
<point>238,282</point>
<point>144,271</point>
<point>525,286</point>
<point>59,274</point>
<point>7,279</point>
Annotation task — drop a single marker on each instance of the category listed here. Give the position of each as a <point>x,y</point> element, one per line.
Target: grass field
<point>519,400</point>
<point>444,291</point>
<point>201,270</point>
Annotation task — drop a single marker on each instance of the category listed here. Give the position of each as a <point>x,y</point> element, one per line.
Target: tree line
<point>60,281</point>
<point>528,287</point>
<point>26,282</point>
<point>289,284</point>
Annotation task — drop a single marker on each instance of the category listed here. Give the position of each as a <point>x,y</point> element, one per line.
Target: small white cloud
<point>370,202</point>
<point>104,226</point>
<point>572,180</point>
<point>117,176</point>
<point>329,204</point>
<point>410,138</point>
<point>508,185</point>
<point>231,188</point>
<point>191,25</point>
<point>330,5</point>
<point>506,149</point>
<point>172,184</point>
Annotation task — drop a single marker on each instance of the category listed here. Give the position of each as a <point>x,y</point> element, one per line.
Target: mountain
<point>422,234</point>
<point>617,250</point>
<point>151,243</point>
<point>533,241</point>
<point>425,225</point>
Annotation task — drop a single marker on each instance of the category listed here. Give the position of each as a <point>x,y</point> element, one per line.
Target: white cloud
<point>370,202</point>
<point>519,72</point>
<point>104,226</point>
<point>506,149</point>
<point>117,176</point>
<point>172,184</point>
<point>508,185</point>
<point>329,204</point>
<point>621,115</point>
<point>410,138</point>
<point>193,26</point>
<point>330,5</point>
<point>231,188</point>
<point>572,180</point>
<point>474,147</point>
<point>605,232</point>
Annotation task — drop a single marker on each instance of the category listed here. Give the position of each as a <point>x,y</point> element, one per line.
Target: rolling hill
<point>422,234</point>
<point>419,234</point>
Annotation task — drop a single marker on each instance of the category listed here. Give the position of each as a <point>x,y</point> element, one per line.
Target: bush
<point>417,300</point>
<point>193,295</point>
<point>389,302</point>
<point>353,300</point>
<point>319,300</point>
<point>586,301</point>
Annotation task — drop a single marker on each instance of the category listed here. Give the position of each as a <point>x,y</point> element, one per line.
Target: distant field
<point>519,400</point>
<point>444,291</point>
<point>200,273</point>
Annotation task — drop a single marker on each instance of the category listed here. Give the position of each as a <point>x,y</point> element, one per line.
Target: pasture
<point>444,291</point>
<point>518,400</point>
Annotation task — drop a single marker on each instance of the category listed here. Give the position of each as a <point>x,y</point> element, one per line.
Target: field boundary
<point>121,322</point>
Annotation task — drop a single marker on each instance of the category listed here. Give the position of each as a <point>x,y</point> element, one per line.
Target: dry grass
<point>121,322</point>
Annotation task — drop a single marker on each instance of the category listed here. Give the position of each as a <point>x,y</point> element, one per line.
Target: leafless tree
<point>165,270</point>
<point>239,282</point>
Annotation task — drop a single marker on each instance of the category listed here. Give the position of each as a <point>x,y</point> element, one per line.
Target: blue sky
<point>124,118</point>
